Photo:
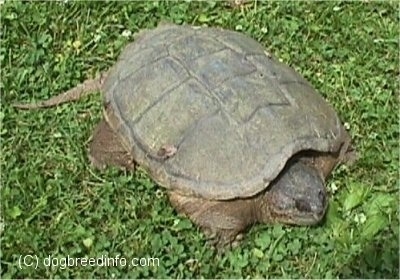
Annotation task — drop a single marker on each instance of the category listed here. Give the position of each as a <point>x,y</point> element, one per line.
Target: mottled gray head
<point>298,196</point>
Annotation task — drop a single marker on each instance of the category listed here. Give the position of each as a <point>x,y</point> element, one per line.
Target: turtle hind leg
<point>105,149</point>
<point>221,221</point>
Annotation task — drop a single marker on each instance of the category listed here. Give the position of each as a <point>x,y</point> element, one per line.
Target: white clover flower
<point>126,33</point>
<point>333,187</point>
<point>360,218</point>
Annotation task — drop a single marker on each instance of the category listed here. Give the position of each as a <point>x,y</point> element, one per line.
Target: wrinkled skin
<point>297,196</point>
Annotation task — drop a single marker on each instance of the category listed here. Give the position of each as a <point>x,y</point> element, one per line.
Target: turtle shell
<point>209,112</point>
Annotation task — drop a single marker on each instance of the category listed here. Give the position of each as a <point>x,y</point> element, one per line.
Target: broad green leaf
<point>203,18</point>
<point>182,224</point>
<point>258,253</point>
<point>380,202</point>
<point>15,212</point>
<point>355,197</point>
<point>88,242</point>
<point>333,215</point>
<point>373,225</point>
<point>294,246</point>
<point>263,240</point>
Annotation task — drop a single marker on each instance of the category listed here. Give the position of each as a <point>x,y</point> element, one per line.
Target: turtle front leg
<point>105,149</point>
<point>221,221</point>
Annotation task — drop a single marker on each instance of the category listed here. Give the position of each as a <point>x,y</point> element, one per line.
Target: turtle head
<point>297,196</point>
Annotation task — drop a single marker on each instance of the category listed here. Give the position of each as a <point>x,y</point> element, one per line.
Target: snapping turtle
<point>234,135</point>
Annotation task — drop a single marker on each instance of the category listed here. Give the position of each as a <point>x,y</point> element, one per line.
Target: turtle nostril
<point>322,202</point>
<point>302,205</point>
<point>322,197</point>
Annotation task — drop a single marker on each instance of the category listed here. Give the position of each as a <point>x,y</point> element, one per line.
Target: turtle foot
<point>222,239</point>
<point>105,149</point>
<point>221,221</point>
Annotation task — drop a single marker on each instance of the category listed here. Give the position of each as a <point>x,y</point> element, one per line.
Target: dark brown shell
<point>233,113</point>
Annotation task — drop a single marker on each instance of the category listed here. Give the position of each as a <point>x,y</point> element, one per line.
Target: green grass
<point>53,203</point>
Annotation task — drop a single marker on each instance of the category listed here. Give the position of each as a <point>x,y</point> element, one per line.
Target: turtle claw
<point>222,239</point>
<point>212,237</point>
<point>238,239</point>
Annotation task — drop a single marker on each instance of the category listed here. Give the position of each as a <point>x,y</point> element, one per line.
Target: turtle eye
<point>302,205</point>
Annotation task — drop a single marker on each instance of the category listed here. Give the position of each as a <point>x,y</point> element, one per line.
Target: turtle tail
<point>86,88</point>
